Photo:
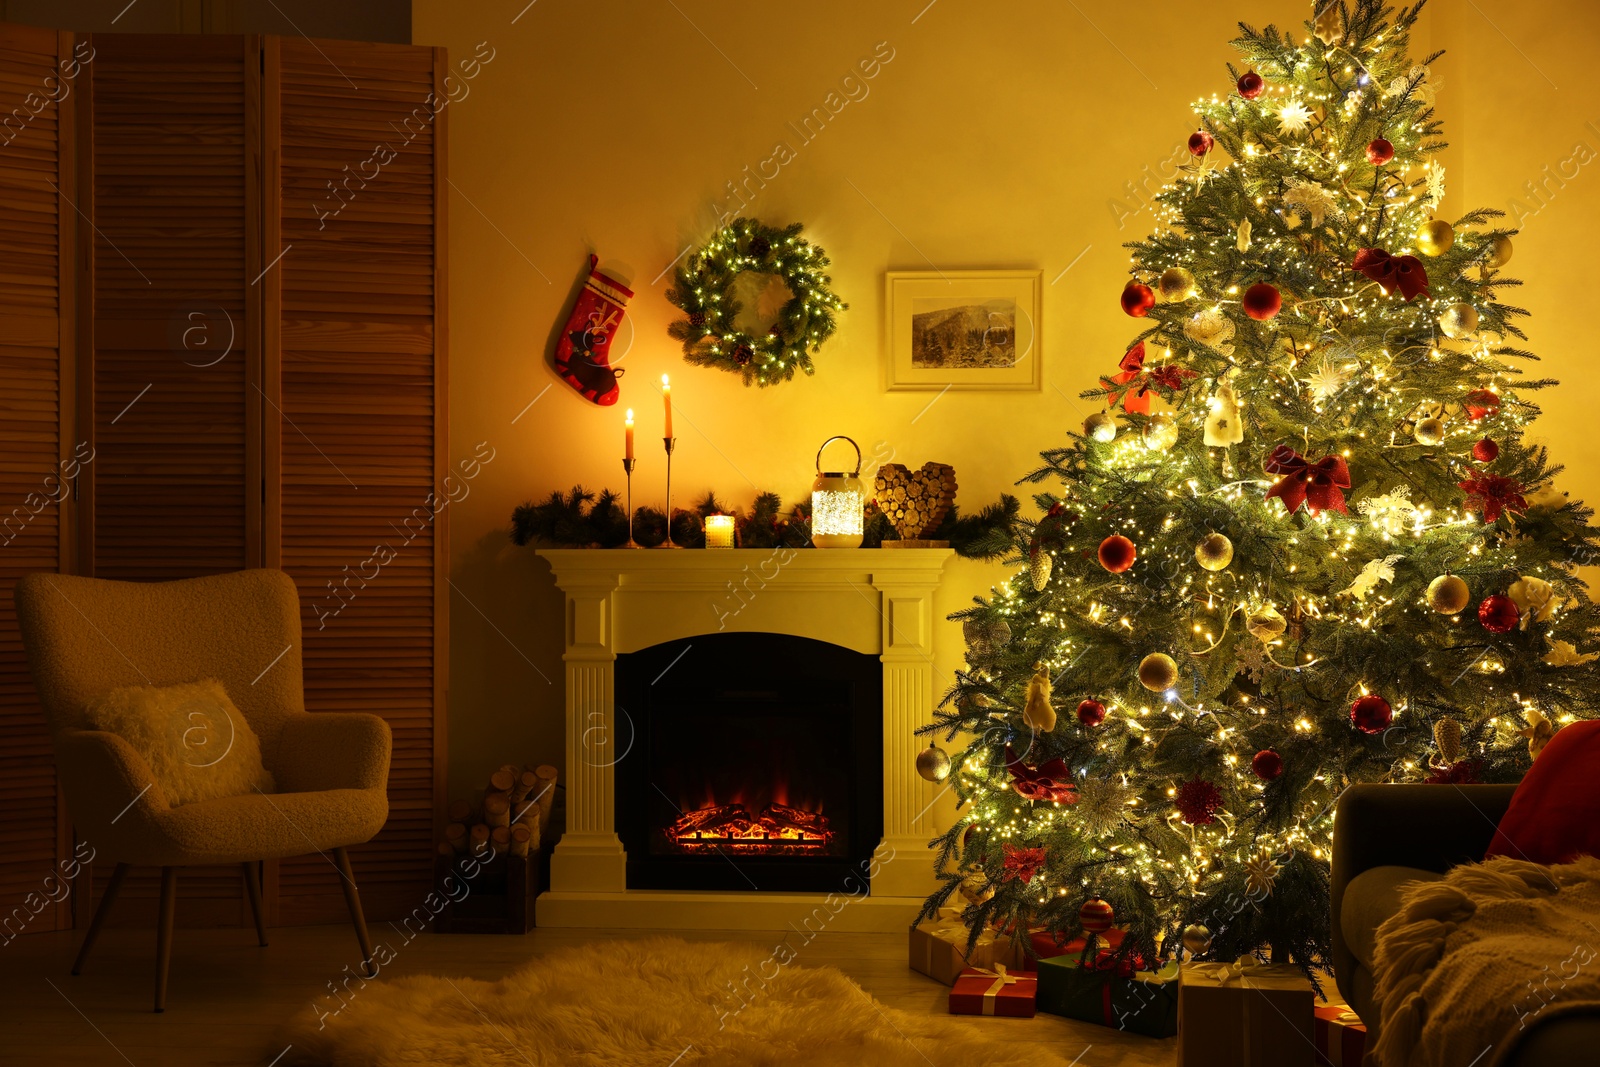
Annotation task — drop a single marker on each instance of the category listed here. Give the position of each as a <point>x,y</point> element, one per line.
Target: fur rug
<point>656,1002</point>
<point>1470,961</point>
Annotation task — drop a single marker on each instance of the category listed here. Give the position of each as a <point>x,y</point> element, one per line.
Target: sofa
<point>1387,836</point>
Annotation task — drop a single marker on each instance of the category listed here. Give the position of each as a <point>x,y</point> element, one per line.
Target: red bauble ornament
<point>1379,151</point>
<point>1267,764</point>
<point>1498,613</point>
<point>1371,714</point>
<point>1117,553</point>
<point>1250,85</point>
<point>1485,451</point>
<point>1096,915</point>
<point>1262,301</point>
<point>1198,801</point>
<point>1137,299</point>
<point>1091,712</point>
<point>1200,143</point>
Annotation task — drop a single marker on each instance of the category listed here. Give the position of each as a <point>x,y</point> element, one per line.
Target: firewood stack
<point>915,502</point>
<point>511,815</point>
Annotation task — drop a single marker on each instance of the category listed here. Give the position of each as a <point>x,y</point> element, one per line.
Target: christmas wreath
<point>712,335</point>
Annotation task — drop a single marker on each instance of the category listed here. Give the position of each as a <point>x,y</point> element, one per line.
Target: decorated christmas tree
<point>1303,544</point>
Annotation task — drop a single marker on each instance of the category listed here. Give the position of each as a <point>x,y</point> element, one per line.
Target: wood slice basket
<point>499,899</point>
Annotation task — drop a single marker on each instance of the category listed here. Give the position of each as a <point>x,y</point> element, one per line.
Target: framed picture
<point>964,329</point>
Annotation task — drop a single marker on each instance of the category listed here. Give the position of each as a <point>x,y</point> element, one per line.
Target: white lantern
<point>837,503</point>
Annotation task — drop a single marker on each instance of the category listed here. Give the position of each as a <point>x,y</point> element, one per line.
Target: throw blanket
<point>1470,961</point>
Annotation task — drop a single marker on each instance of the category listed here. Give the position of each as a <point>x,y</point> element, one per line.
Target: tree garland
<point>709,336</point>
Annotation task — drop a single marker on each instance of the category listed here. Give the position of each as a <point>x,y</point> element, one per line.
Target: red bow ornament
<point>1319,486</point>
<point>1405,273</point>
<point>1050,780</point>
<point>1168,376</point>
<point>1492,494</point>
<point>1480,402</point>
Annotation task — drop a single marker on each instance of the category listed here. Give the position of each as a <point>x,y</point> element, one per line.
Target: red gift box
<point>1341,1036</point>
<point>995,991</point>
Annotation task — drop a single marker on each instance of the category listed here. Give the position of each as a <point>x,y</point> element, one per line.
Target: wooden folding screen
<point>38,458</point>
<point>260,367</point>
<point>357,373</point>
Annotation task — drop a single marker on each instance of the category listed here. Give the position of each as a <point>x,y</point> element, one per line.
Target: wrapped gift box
<point>1104,992</point>
<point>1245,1014</point>
<point>1048,943</point>
<point>994,991</point>
<point>1340,1034</point>
<point>939,948</point>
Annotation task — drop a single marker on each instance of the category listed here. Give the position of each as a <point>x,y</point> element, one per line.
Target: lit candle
<point>719,531</point>
<point>666,395</point>
<point>627,434</point>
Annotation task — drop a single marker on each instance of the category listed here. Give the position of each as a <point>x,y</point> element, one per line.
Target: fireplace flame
<point>777,828</point>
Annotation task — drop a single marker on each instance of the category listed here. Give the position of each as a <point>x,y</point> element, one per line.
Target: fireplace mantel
<point>875,601</point>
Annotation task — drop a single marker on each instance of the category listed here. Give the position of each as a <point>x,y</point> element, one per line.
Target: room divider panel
<point>258,326</point>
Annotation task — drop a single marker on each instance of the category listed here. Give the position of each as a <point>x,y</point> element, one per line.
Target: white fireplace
<point>873,601</point>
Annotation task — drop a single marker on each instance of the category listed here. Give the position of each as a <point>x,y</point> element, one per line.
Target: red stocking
<point>585,345</point>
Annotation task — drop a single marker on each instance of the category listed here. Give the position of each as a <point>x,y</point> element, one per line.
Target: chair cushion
<point>198,745</point>
<point>1370,898</point>
<point>258,826</point>
<point>1555,813</point>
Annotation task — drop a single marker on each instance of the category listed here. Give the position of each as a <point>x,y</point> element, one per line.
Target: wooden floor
<point>228,997</point>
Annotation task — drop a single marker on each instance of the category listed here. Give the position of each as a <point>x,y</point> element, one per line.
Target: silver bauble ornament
<point>1428,431</point>
<point>1100,427</point>
<point>1160,433</point>
<point>975,886</point>
<point>933,763</point>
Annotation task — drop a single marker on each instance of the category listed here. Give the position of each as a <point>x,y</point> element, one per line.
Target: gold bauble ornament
<point>1435,237</point>
<point>1158,672</point>
<point>975,886</point>
<point>1265,622</point>
<point>1176,284</point>
<point>1448,594</point>
<point>1214,552</point>
<point>1428,431</point>
<point>1500,253</point>
<point>1100,427</point>
<point>1458,321</point>
<point>1160,433</point>
<point>1197,939</point>
<point>933,763</point>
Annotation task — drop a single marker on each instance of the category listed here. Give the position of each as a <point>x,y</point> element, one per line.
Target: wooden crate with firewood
<point>491,860</point>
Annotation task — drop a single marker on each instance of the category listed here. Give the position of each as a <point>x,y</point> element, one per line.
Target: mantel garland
<point>709,336</point>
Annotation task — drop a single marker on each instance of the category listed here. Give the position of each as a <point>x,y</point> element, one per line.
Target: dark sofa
<point>1387,835</point>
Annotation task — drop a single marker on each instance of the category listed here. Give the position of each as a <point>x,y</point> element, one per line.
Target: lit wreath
<point>701,290</point>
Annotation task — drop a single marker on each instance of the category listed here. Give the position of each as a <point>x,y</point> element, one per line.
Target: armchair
<point>1386,836</point>
<point>86,637</point>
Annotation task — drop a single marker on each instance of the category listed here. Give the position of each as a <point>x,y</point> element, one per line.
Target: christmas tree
<point>1324,555</point>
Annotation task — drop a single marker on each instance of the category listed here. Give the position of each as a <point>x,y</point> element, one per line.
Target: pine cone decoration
<point>1040,563</point>
<point>1447,737</point>
<point>697,318</point>
<point>743,355</point>
<point>760,246</point>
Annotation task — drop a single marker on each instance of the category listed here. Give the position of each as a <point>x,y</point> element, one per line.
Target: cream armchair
<point>86,636</point>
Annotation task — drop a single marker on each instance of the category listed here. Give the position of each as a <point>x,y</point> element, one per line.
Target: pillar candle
<point>627,435</point>
<point>719,531</point>
<point>666,395</point>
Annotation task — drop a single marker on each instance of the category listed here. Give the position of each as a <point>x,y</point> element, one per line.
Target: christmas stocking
<point>582,354</point>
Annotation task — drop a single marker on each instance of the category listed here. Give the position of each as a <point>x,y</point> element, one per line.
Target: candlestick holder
<point>670,443</point>
<point>627,467</point>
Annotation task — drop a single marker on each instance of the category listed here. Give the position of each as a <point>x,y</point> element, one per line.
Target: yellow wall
<point>998,135</point>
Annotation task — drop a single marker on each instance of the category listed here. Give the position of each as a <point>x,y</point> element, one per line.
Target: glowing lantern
<point>836,503</point>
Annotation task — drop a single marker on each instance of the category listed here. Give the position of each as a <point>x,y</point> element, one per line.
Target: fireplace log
<point>527,785</point>
<point>460,811</point>
<point>503,779</point>
<point>499,839</point>
<point>545,791</point>
<point>455,835</point>
<point>779,816</point>
<point>496,809</point>
<point>479,836</point>
<point>522,839</point>
<point>446,851</point>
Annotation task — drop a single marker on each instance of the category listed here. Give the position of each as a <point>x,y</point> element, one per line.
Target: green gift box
<point>1140,1002</point>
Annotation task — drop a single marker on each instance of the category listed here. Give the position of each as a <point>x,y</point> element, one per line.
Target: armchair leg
<point>169,903</point>
<point>100,914</point>
<point>352,898</point>
<point>252,886</point>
